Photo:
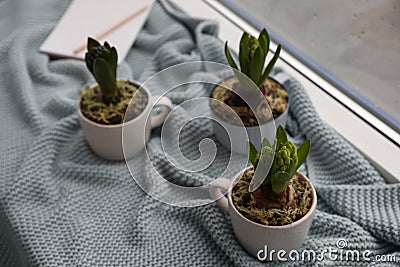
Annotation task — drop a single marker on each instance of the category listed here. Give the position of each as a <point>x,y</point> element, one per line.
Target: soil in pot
<point>284,209</point>
<point>114,112</point>
<point>274,92</point>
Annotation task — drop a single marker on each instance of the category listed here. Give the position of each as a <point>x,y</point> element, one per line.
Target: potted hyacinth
<point>106,102</point>
<point>107,108</point>
<point>235,92</point>
<point>278,213</point>
<point>284,195</point>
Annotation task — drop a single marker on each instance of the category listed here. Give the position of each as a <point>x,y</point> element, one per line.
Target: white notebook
<point>93,18</point>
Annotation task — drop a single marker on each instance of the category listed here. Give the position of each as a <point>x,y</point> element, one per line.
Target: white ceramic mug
<point>254,237</point>
<point>234,137</point>
<point>112,142</point>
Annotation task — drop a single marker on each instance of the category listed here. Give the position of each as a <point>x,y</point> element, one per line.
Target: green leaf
<point>280,181</point>
<point>272,171</point>
<point>302,152</point>
<point>271,64</point>
<point>264,164</point>
<point>92,43</point>
<point>281,137</point>
<point>89,63</point>
<point>257,66</point>
<point>263,39</point>
<point>111,57</point>
<point>243,52</point>
<point>253,153</point>
<point>265,142</point>
<point>229,56</point>
<point>114,61</point>
<point>107,45</point>
<point>292,168</point>
<point>264,75</point>
<point>105,78</point>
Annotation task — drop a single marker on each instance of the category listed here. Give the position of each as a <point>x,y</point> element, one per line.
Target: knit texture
<point>61,205</point>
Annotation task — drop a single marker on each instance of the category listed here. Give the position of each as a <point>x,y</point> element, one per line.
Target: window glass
<point>358,42</point>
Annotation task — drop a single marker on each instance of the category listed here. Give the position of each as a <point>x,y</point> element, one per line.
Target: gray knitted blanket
<point>61,205</point>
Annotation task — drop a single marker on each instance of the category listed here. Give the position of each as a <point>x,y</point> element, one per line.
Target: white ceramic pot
<point>255,237</point>
<point>234,137</point>
<point>107,140</point>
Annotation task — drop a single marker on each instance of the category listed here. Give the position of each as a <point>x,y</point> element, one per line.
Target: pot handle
<point>216,194</point>
<point>160,101</point>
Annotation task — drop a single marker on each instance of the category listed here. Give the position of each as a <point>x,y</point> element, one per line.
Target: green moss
<point>94,108</point>
<point>276,96</point>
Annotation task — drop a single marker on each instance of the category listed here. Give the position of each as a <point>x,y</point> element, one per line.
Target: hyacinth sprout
<point>101,60</point>
<point>252,55</point>
<point>286,160</point>
<point>107,102</point>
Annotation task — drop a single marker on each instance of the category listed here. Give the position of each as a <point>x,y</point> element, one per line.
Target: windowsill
<point>344,115</point>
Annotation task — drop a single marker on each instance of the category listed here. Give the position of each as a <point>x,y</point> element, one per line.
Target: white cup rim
<point>112,126</point>
<point>302,219</point>
<point>255,126</point>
